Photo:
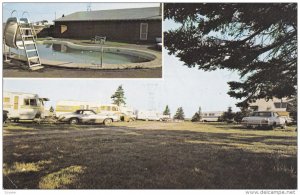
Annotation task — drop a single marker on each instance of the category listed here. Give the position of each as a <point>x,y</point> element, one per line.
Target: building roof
<point>148,13</point>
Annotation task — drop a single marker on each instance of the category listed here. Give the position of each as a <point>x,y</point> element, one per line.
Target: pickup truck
<point>267,119</point>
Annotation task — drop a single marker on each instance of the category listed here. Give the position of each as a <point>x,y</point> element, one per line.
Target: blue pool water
<point>58,52</point>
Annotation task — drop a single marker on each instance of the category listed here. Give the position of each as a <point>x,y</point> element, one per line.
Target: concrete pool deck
<point>154,57</point>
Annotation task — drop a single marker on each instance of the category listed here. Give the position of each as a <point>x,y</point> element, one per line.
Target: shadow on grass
<point>94,157</point>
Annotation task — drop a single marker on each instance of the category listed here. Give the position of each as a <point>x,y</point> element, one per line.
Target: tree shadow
<point>129,158</point>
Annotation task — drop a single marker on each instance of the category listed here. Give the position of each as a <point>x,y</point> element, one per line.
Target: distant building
<point>275,104</point>
<point>132,25</point>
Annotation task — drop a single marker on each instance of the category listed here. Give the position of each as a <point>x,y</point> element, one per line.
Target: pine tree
<point>257,40</point>
<point>51,109</point>
<point>118,97</point>
<point>196,117</point>
<point>228,115</point>
<point>167,111</point>
<point>179,114</point>
<point>200,113</point>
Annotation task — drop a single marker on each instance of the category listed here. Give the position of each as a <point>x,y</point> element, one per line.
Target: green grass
<point>152,155</point>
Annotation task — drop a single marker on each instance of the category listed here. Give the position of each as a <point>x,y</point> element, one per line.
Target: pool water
<point>58,52</point>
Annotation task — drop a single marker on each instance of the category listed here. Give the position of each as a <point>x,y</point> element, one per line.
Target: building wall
<point>113,30</point>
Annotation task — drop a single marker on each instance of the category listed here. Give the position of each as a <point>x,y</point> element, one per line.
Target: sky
<point>180,86</point>
<point>51,11</point>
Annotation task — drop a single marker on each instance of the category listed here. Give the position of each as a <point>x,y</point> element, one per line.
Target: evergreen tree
<point>179,114</point>
<point>196,117</point>
<point>258,40</point>
<point>167,111</point>
<point>228,115</point>
<point>200,113</point>
<point>51,109</point>
<point>118,97</point>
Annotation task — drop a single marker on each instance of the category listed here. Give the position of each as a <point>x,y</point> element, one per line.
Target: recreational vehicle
<point>210,116</point>
<point>23,106</point>
<point>150,116</point>
<point>68,106</point>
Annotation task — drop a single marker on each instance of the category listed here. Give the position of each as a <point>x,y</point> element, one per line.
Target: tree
<point>228,115</point>
<point>196,117</point>
<point>51,109</point>
<point>179,114</point>
<point>167,111</point>
<point>118,97</point>
<point>258,40</point>
<point>238,116</point>
<point>292,108</point>
<point>200,113</point>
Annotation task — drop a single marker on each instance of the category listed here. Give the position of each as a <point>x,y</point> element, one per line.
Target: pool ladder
<point>28,37</point>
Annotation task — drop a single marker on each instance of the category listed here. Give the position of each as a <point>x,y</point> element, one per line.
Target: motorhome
<point>23,106</point>
<point>211,116</point>
<point>68,106</point>
<point>150,116</point>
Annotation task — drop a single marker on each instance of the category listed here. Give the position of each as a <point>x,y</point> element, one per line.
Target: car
<point>87,116</point>
<point>267,119</point>
<point>5,115</point>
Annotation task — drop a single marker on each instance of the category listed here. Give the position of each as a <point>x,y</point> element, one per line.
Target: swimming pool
<point>61,52</point>
<point>71,55</point>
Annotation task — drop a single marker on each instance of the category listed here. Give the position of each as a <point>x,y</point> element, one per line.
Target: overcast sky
<point>51,11</point>
<point>181,86</point>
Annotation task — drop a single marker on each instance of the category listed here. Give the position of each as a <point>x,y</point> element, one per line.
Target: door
<point>144,31</point>
<point>16,102</point>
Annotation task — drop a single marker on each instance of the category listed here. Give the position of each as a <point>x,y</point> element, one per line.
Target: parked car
<point>87,116</point>
<point>267,119</point>
<point>5,115</point>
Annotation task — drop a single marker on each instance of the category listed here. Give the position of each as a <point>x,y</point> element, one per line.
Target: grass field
<point>148,155</point>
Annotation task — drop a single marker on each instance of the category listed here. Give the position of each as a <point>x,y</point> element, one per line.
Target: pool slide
<point>11,33</point>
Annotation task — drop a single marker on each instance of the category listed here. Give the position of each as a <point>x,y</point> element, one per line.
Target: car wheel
<point>130,120</point>
<point>272,127</point>
<point>74,121</point>
<point>107,121</point>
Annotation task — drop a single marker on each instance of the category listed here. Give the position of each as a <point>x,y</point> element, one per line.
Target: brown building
<point>129,25</point>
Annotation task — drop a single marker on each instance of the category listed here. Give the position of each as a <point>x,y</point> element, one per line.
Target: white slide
<point>11,33</point>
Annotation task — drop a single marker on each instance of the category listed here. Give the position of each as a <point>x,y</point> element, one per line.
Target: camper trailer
<point>68,106</point>
<point>23,106</point>
<point>150,116</point>
<point>210,116</point>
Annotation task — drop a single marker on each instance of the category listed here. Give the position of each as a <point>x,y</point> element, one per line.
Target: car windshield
<point>88,112</point>
<point>262,114</point>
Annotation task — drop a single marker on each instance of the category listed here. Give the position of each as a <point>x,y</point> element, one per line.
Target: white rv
<point>23,106</point>
<point>68,106</point>
<point>150,116</point>
<point>210,116</point>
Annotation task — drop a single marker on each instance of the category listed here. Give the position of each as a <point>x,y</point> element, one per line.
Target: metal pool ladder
<point>28,37</point>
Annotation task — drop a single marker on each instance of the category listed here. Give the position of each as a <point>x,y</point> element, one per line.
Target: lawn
<point>148,155</point>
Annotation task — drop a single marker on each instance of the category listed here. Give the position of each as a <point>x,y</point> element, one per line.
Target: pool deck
<point>150,50</point>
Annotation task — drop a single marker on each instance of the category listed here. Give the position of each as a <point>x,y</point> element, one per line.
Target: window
<point>114,108</point>
<point>30,102</point>
<point>63,28</point>
<point>6,99</point>
<point>144,31</point>
<point>88,112</point>
<point>280,104</point>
